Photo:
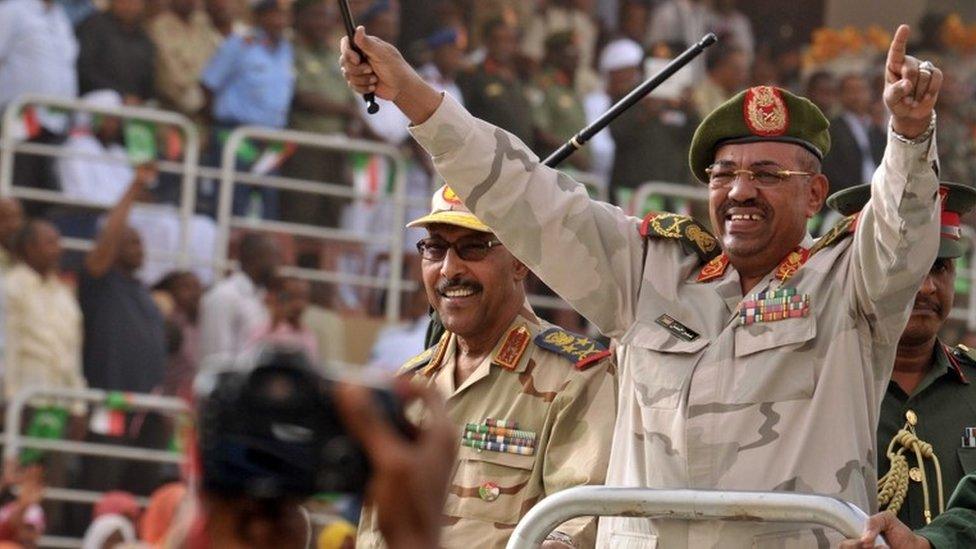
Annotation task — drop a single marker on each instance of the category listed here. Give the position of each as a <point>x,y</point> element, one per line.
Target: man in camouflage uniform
<point>757,365</point>
<point>930,403</point>
<point>534,405</point>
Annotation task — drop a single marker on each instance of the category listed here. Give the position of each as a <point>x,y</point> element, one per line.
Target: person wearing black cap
<point>928,405</point>
<point>751,360</point>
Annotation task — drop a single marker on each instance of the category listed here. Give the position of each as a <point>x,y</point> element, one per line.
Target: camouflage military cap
<point>957,201</point>
<point>762,113</point>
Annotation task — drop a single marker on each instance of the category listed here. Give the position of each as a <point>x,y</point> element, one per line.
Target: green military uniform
<point>535,417</point>
<point>940,410</point>
<point>500,100</point>
<point>955,527</point>
<point>560,112</point>
<point>316,72</point>
<point>935,417</point>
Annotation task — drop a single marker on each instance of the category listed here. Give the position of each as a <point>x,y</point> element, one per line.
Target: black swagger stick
<point>628,101</point>
<point>435,329</point>
<point>370,98</point>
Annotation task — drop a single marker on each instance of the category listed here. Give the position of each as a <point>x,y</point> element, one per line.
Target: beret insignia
<point>581,350</point>
<point>765,111</point>
<point>683,229</point>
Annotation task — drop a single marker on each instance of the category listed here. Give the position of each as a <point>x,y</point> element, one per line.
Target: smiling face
<point>758,225</point>
<point>473,297</point>
<point>932,303</point>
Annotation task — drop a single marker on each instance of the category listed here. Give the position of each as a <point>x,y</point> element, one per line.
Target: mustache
<point>756,203</point>
<point>458,284</point>
<point>926,303</point>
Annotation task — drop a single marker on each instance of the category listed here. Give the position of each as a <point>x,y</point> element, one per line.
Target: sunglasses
<point>468,249</point>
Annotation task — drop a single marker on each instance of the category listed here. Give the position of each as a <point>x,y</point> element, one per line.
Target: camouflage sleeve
<point>589,252</point>
<point>578,449</point>
<point>957,526</point>
<point>896,238</point>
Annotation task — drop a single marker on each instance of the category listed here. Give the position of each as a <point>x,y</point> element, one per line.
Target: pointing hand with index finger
<point>911,87</point>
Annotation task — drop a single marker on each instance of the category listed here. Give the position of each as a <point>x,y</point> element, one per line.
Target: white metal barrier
<point>229,178</point>
<point>9,146</point>
<point>697,505</point>
<point>14,442</point>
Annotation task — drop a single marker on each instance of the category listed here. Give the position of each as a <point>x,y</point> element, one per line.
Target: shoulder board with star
<point>841,230</point>
<point>582,351</point>
<point>692,235</point>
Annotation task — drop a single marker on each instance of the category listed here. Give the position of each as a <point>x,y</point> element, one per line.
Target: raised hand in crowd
<point>911,88</point>
<point>409,477</point>
<point>106,251</point>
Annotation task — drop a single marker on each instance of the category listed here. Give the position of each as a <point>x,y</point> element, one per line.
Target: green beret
<point>762,113</point>
<point>957,201</point>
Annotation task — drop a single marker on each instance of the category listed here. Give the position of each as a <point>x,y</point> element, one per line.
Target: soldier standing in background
<point>755,360</point>
<point>930,403</point>
<point>533,403</point>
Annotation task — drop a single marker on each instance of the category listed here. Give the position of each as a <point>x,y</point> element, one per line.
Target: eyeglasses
<point>720,177</point>
<point>468,249</point>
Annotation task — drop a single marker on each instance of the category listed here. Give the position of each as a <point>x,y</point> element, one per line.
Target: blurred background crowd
<point>94,298</point>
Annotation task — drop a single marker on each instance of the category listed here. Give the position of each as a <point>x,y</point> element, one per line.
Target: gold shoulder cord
<point>893,486</point>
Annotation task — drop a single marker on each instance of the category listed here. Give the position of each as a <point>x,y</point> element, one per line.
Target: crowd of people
<point>120,317</point>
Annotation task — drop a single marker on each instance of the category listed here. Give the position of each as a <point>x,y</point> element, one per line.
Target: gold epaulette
<point>582,351</point>
<point>692,235</point>
<point>841,230</point>
<point>430,358</point>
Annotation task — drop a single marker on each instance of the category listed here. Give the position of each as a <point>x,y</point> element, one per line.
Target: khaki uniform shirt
<point>182,51</point>
<point>943,407</point>
<point>570,412</point>
<point>790,405</point>
<point>316,71</point>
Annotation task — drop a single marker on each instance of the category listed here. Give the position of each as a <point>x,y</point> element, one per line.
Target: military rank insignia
<point>772,305</point>
<point>969,437</point>
<point>583,351</point>
<point>684,229</point>
<point>497,435</point>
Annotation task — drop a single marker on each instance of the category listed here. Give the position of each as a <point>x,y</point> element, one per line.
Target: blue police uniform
<point>252,80</point>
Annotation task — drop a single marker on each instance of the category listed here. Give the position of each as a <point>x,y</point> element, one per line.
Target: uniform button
<point>915,474</point>
<point>912,417</point>
<point>488,491</point>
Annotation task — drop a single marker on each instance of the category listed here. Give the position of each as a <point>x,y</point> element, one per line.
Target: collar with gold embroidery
<point>784,271</point>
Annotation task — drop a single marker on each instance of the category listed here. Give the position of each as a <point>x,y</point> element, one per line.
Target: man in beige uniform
<point>534,405</point>
<point>756,361</point>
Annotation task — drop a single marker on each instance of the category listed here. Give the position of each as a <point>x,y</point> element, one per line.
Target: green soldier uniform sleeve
<point>589,252</point>
<point>956,527</point>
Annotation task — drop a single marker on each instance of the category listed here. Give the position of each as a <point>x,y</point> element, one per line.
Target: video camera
<point>273,431</point>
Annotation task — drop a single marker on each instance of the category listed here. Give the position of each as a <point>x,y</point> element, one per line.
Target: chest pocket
<point>660,363</point>
<point>967,458</point>
<point>479,474</point>
<point>775,361</point>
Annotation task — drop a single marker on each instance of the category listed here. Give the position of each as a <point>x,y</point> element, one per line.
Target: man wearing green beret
<point>927,432</point>
<point>755,359</point>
